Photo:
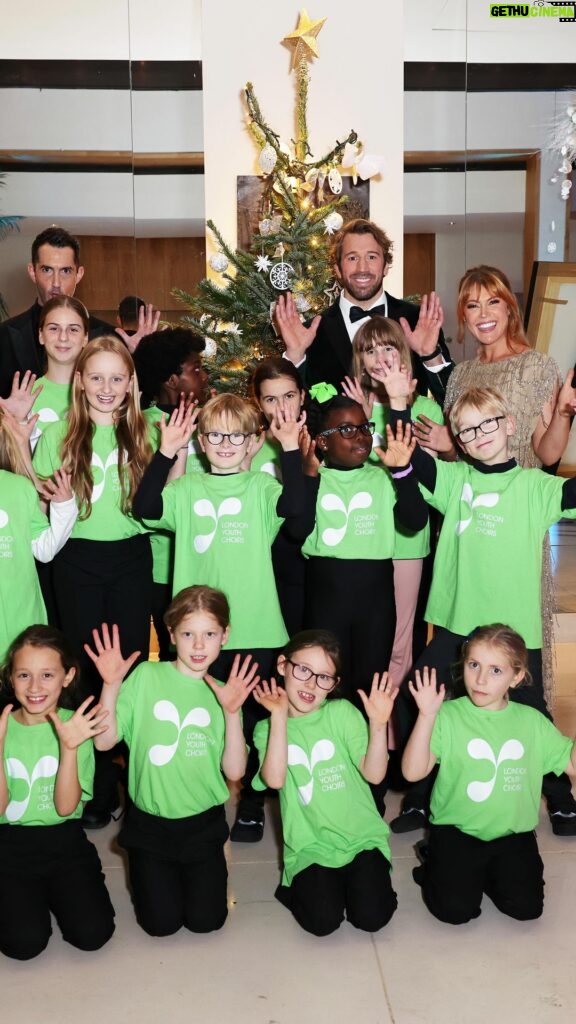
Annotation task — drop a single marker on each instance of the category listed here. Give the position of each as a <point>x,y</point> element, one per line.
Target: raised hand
<point>22,396</point>
<point>59,488</point>
<point>307,445</point>
<point>399,446</point>
<point>107,657</point>
<point>396,378</point>
<point>351,387</point>
<point>566,401</point>
<point>379,703</point>
<point>21,431</point>
<point>4,722</point>
<point>84,724</point>
<point>434,437</point>
<point>148,320</point>
<point>272,697</point>
<point>428,698</point>
<point>176,432</point>
<point>296,337</point>
<point>240,683</point>
<point>424,338</point>
<point>285,428</point>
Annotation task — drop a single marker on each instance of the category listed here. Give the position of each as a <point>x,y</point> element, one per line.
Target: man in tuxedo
<point>55,269</point>
<point>322,349</point>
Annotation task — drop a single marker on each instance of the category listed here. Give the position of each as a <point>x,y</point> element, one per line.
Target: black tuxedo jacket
<point>21,350</point>
<point>329,357</point>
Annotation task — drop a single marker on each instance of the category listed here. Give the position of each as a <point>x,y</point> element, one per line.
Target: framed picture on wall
<point>249,191</point>
<point>551,312</point>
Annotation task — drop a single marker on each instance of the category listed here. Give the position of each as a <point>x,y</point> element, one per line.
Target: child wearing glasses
<point>224,523</point>
<point>489,557</point>
<point>320,754</point>
<point>351,537</point>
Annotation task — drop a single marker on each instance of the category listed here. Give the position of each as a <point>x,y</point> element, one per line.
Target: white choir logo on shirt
<point>323,750</point>
<point>4,519</point>
<point>164,711</point>
<point>45,768</point>
<point>272,470</point>
<point>111,461</point>
<point>482,501</point>
<point>332,535</point>
<point>480,750</point>
<point>47,415</point>
<point>204,507</point>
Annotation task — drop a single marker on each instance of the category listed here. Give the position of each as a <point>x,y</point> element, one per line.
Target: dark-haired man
<point>322,350</point>
<point>55,269</point>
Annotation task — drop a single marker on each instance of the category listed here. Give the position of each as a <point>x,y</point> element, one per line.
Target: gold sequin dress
<point>527,381</point>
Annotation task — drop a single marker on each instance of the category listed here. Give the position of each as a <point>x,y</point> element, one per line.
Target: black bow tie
<point>357,313</point>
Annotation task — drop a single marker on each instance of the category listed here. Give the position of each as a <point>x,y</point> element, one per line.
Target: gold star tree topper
<point>304,38</point>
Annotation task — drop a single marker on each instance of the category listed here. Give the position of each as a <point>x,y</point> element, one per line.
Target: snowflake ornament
<point>263,264</point>
<point>282,276</point>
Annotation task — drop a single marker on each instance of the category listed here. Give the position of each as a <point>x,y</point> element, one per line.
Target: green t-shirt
<point>224,528</point>
<point>175,729</point>
<point>489,555</point>
<point>328,812</point>
<point>409,543</point>
<point>21,522</point>
<point>354,515</point>
<point>106,521</point>
<point>31,759</point>
<point>489,782</point>
<point>162,541</point>
<point>267,460</point>
<point>52,403</point>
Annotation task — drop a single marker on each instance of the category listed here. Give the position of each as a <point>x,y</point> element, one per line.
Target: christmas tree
<point>299,209</point>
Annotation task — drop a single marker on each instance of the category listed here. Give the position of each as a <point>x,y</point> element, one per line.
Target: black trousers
<point>443,654</point>
<point>460,868</point>
<point>178,873</point>
<point>48,869</point>
<point>355,600</point>
<point>320,897</point>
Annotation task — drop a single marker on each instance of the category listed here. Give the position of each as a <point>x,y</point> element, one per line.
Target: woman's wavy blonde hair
<point>134,449</point>
<point>10,456</point>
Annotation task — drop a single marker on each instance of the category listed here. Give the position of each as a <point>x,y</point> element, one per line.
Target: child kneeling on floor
<point>493,754</point>
<point>184,731</point>
<point>321,754</point>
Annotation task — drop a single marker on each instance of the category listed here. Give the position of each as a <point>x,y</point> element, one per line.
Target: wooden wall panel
<point>419,264</point>
<point>150,267</point>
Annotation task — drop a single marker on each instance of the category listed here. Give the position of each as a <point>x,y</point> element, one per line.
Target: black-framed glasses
<point>489,426</point>
<point>216,437</point>
<point>349,430</point>
<point>304,674</point>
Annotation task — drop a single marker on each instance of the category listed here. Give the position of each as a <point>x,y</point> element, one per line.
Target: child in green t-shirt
<point>493,754</point>
<point>184,733</point>
<point>224,524</point>
<point>376,345</point>
<point>321,754</point>
<point>489,558</point>
<point>47,864</point>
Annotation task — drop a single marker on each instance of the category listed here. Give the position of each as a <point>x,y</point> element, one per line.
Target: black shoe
<point>422,851</point>
<point>95,816</point>
<point>249,824</point>
<point>409,820</point>
<point>418,874</point>
<point>563,822</point>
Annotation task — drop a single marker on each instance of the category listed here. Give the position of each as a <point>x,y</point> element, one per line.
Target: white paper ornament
<point>301,302</point>
<point>210,348</point>
<point>219,262</point>
<point>335,181</point>
<point>262,264</point>
<point>265,226</point>
<point>267,159</point>
<point>565,167</point>
<point>281,276</point>
<point>333,222</point>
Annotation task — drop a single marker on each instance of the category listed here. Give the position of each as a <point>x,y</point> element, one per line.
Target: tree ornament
<point>282,275</point>
<point>210,348</point>
<point>219,262</point>
<point>333,222</point>
<point>301,302</point>
<point>267,159</point>
<point>233,328</point>
<point>304,38</point>
<point>262,264</point>
<point>335,181</point>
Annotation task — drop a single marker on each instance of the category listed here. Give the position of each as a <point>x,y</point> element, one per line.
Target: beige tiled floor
<point>262,969</point>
